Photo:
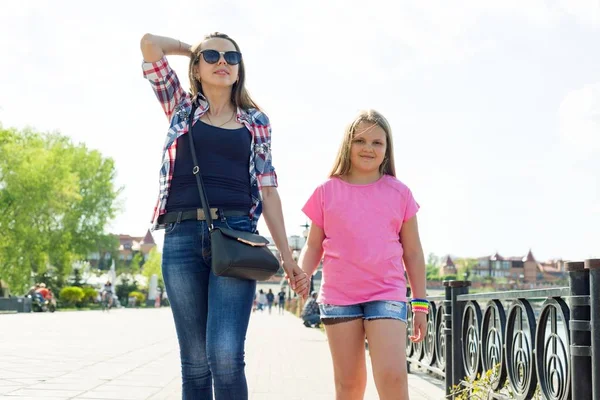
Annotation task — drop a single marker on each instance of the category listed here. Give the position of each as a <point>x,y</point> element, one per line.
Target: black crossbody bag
<point>235,254</point>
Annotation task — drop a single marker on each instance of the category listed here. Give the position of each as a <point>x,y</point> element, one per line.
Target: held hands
<point>297,278</point>
<point>419,327</point>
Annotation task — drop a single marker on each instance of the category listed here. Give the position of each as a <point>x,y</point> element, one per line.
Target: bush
<point>71,295</point>
<point>481,388</point>
<point>89,295</point>
<point>124,289</point>
<point>140,299</point>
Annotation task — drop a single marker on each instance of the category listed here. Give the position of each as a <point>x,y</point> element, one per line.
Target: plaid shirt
<point>177,104</point>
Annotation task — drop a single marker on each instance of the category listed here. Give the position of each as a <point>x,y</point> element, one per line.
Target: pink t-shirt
<point>362,250</point>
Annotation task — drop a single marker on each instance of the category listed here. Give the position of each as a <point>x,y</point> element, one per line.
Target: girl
<point>365,229</point>
<point>232,138</point>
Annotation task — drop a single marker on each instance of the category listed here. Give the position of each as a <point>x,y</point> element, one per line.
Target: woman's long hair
<point>342,163</point>
<point>239,94</point>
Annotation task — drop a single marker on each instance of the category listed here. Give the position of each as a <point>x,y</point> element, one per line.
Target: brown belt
<point>198,215</point>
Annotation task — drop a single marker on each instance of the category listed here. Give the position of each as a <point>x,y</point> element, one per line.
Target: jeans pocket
<point>241,223</point>
<point>170,227</point>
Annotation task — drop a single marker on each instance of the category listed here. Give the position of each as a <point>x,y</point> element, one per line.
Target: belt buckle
<point>200,214</point>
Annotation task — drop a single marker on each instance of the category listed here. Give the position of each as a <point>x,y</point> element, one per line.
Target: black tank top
<point>223,157</point>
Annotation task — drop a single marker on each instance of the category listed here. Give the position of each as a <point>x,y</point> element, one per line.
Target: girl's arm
<point>274,218</point>
<point>312,252</point>
<point>414,261</point>
<point>155,47</point>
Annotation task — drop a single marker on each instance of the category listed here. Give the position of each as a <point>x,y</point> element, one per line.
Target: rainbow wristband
<point>420,305</point>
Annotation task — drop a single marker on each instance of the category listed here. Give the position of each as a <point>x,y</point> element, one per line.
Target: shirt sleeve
<point>314,207</point>
<point>263,158</point>
<point>165,84</point>
<point>411,207</point>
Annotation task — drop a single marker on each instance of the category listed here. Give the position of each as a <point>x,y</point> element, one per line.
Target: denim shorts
<point>368,311</point>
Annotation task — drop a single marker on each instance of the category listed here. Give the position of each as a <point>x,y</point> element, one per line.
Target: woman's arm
<point>274,218</point>
<point>162,77</point>
<point>155,47</point>
<point>312,252</point>
<point>414,261</point>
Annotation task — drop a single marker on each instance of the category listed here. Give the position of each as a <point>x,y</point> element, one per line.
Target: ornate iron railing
<point>546,340</point>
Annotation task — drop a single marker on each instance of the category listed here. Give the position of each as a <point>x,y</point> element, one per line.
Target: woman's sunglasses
<point>213,56</point>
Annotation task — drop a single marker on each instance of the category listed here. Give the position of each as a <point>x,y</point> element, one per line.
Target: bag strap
<point>196,172</point>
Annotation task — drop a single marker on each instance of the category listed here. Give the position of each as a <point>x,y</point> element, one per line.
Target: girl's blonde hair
<point>239,94</point>
<point>342,163</point>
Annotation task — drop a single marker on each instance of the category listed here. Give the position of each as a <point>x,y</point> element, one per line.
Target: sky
<point>494,105</point>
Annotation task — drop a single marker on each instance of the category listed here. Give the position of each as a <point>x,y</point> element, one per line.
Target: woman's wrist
<point>287,257</point>
<point>171,46</point>
<point>184,49</point>
<point>177,47</point>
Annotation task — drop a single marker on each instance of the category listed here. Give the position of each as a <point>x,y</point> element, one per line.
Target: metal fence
<point>546,339</point>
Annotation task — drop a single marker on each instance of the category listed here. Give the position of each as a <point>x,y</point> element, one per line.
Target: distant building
<point>552,270</point>
<point>128,247</point>
<point>519,269</point>
<point>448,268</point>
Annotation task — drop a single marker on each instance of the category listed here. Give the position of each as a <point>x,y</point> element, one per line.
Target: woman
<point>233,144</point>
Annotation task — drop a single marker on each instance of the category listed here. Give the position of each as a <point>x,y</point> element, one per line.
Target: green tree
<point>464,267</point>
<point>432,273</point>
<point>135,267</point>
<point>55,200</point>
<point>432,260</point>
<point>106,244</point>
<point>76,281</point>
<point>432,269</point>
<point>154,266</point>
<point>125,288</point>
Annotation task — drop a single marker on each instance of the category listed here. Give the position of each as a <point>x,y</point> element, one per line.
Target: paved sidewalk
<point>133,354</point>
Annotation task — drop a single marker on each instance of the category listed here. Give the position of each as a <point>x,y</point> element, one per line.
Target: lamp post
<point>521,280</point>
<point>306,227</point>
<point>294,248</point>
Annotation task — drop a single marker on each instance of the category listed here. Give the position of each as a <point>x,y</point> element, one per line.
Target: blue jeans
<point>211,313</point>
